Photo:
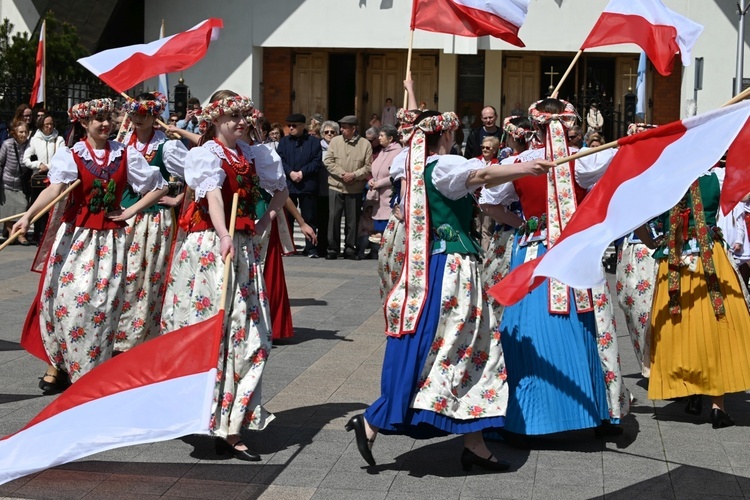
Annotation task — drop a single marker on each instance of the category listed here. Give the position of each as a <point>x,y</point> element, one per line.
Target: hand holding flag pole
<point>43,211</point>
<point>12,217</point>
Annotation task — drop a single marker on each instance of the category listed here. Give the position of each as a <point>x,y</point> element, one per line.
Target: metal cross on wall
<point>551,74</point>
<point>630,76</point>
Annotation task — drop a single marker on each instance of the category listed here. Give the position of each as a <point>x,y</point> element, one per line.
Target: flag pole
<point>12,217</point>
<point>408,65</point>
<point>43,211</point>
<point>228,259</point>
<point>739,97</point>
<point>567,72</point>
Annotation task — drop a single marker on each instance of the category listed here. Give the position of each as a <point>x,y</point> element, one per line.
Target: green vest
<point>130,197</point>
<point>451,219</point>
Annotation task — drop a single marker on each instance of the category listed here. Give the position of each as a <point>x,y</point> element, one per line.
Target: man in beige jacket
<point>349,163</point>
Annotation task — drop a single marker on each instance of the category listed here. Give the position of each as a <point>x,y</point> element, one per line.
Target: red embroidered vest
<point>83,209</point>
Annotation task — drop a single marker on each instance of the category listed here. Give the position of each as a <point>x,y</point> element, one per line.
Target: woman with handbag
<point>12,196</point>
<point>42,147</point>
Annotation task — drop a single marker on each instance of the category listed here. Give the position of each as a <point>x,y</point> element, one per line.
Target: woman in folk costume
<point>221,166</point>
<point>443,371</point>
<point>517,131</point>
<point>81,293</point>
<point>636,277</point>
<point>559,343</point>
<point>700,323</point>
<point>150,233</point>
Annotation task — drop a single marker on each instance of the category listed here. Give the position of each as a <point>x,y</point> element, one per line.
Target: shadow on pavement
<point>304,334</point>
<point>6,345</point>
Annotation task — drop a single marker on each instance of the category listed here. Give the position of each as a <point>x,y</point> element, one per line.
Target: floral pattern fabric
<point>392,254</point>
<point>497,264</point>
<point>148,240</point>
<point>636,278</point>
<point>193,291</point>
<point>82,297</point>
<point>464,375</point>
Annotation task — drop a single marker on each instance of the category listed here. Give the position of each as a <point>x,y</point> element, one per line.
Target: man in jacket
<point>349,164</point>
<point>476,136</point>
<point>301,156</point>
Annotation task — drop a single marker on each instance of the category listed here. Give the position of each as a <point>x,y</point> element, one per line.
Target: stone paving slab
<point>330,371</point>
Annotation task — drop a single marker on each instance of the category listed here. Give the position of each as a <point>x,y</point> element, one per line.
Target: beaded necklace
<point>104,160</point>
<point>134,142</point>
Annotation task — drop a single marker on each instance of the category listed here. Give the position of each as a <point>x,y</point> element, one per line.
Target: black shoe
<point>720,419</point>
<point>312,255</point>
<point>357,423</point>
<point>222,447</point>
<point>694,405</point>
<point>608,429</point>
<point>331,256</point>
<point>59,383</point>
<point>352,256</point>
<point>468,459</point>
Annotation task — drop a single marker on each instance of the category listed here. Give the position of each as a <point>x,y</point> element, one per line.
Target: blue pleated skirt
<point>405,358</point>
<point>554,373</point>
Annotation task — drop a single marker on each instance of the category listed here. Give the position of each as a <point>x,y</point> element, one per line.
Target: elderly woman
<point>328,130</point>
<point>443,371</point>
<point>379,193</point>
<point>13,199</point>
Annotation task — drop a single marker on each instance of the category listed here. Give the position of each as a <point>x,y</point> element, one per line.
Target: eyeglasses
<point>173,120</point>
<point>487,147</point>
<point>292,125</point>
<point>329,132</point>
<point>572,136</point>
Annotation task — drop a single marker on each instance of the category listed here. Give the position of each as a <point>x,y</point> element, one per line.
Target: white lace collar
<point>218,150</point>
<point>115,150</point>
<point>153,144</point>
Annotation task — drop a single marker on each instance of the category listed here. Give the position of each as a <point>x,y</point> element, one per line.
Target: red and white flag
<point>126,67</point>
<point>37,91</point>
<point>159,390</point>
<point>659,31</point>
<point>499,18</point>
<point>737,172</point>
<point>650,173</point>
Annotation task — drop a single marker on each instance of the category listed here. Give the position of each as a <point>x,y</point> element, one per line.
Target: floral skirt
<point>497,264</point>
<point>449,376</point>
<point>193,294</point>
<point>391,255</point>
<point>636,277</point>
<point>555,372</point>
<point>81,297</point>
<point>695,352</point>
<point>148,241</point>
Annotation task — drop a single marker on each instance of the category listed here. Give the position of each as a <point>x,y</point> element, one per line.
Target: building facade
<point>337,57</point>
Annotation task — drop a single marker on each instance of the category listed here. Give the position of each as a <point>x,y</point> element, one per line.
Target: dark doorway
<point>341,85</point>
<point>552,69</point>
<point>597,87</point>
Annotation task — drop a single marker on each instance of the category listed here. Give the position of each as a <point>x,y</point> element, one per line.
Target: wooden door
<point>424,72</point>
<point>520,84</point>
<point>310,84</point>
<point>384,78</point>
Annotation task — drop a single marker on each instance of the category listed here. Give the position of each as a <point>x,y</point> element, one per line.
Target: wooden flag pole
<point>565,75</point>
<point>12,217</point>
<point>43,211</point>
<point>739,97</point>
<point>228,260</point>
<point>408,66</point>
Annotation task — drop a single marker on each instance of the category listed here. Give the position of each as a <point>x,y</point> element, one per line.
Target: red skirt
<point>278,298</point>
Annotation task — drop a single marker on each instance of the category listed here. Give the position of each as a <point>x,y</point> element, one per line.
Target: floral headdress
<point>569,116</point>
<point>227,106</point>
<point>254,116</point>
<point>94,107</point>
<point>515,131</point>
<point>406,119</point>
<point>153,107</point>
<point>636,128</point>
<point>439,123</point>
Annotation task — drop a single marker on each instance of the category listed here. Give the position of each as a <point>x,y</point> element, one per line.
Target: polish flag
<point>159,390</point>
<point>650,174</point>
<point>499,18</point>
<point>737,173</point>
<point>659,31</point>
<point>126,67</point>
<point>37,91</point>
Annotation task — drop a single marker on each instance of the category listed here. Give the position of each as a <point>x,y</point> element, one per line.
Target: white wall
<point>21,13</point>
<point>551,25</point>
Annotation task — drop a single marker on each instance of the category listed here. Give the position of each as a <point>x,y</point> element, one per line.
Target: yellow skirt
<point>695,352</point>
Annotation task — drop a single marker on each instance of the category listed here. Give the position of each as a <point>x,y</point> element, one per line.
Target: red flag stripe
<point>159,359</point>
<point>737,175</point>
<point>447,16</point>
<point>657,41</point>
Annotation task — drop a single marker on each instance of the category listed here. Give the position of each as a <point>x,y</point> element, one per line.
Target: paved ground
<point>329,372</point>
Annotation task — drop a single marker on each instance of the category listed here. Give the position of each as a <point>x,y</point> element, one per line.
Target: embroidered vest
<point>450,220</point>
<point>200,219</point>
<point>87,206</point>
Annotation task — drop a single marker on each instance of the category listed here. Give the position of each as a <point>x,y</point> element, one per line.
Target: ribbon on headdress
<point>561,199</point>
<point>404,303</point>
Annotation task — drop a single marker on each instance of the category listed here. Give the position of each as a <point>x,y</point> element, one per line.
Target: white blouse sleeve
<point>174,154</point>
<point>504,194</point>
<point>590,169</point>
<point>143,177</point>
<point>203,172</point>
<point>269,168</point>
<point>398,167</point>
<point>62,167</point>
<point>451,173</point>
